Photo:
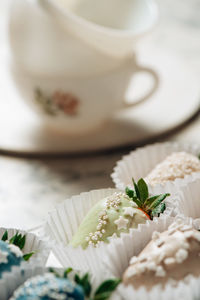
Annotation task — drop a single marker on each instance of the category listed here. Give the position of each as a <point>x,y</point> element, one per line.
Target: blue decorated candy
<point>10,255</point>
<point>47,287</point>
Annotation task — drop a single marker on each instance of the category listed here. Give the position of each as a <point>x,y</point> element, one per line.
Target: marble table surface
<point>29,188</point>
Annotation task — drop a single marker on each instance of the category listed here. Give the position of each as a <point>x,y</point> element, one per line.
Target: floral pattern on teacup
<point>59,102</point>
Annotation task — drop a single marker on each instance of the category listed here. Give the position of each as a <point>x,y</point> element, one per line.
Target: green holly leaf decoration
<point>27,256</point>
<point>151,205</point>
<point>18,240</point>
<point>105,290</point>
<point>67,271</point>
<point>5,236</point>
<point>143,190</point>
<point>84,282</point>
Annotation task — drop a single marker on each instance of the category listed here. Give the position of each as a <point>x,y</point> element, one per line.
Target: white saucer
<point>176,100</point>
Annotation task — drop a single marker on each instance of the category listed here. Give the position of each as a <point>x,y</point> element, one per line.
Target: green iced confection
<point>118,213</point>
<point>112,215</point>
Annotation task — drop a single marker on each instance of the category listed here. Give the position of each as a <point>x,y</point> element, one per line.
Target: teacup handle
<point>150,92</point>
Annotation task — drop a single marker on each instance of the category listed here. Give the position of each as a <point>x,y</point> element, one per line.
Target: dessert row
<point>140,239</point>
<point>23,275</point>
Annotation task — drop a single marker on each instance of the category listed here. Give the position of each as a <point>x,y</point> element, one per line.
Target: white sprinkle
<point>121,223</point>
<point>129,211</point>
<point>181,255</point>
<point>151,266</point>
<point>133,260</point>
<point>160,272</point>
<point>169,261</point>
<point>142,267</point>
<point>185,245</point>
<point>131,272</point>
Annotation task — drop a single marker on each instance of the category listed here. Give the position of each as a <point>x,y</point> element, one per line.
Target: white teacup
<point>82,104</point>
<point>112,27</point>
<point>74,72</point>
<point>47,37</point>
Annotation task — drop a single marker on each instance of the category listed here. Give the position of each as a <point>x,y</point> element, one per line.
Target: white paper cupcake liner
<point>18,274</point>
<point>188,202</point>
<point>17,278</point>
<point>184,290</point>
<point>119,253</point>
<point>64,221</point>
<point>62,224</point>
<point>137,164</point>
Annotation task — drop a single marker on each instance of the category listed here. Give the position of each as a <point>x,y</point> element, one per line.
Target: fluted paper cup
<point>139,163</point>
<point>188,289</point>
<point>63,222</point>
<point>119,253</point>
<point>18,277</point>
<point>188,202</point>
<point>18,274</point>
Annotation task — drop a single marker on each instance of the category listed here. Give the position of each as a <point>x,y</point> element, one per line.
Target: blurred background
<point>31,183</point>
